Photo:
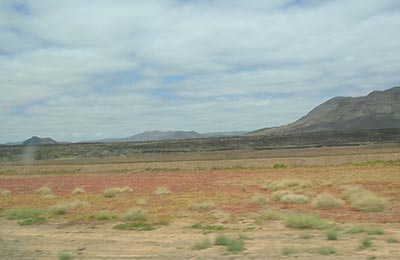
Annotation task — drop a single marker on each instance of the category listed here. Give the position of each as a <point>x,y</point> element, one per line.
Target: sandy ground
<point>45,242</point>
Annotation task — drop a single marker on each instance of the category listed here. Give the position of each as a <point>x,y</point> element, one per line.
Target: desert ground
<point>313,203</point>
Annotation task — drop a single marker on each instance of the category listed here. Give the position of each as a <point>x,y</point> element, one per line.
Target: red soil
<point>207,184</point>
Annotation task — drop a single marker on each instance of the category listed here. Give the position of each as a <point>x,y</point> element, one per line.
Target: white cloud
<point>76,70</point>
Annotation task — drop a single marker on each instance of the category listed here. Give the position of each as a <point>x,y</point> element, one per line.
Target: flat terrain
<point>192,199</point>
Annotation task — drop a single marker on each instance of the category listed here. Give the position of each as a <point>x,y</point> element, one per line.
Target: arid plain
<point>320,203</point>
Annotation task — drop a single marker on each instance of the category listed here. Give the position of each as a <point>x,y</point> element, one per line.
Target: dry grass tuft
<point>110,193</point>
<point>59,209</point>
<point>287,196</point>
<point>4,192</point>
<point>280,193</point>
<point>141,202</point>
<point>294,199</point>
<point>259,199</point>
<point>135,215</point>
<point>113,192</point>
<point>202,205</point>
<point>78,191</point>
<point>287,184</point>
<point>305,221</point>
<point>50,196</point>
<point>326,200</point>
<point>161,191</point>
<point>201,244</point>
<point>125,190</point>
<point>79,204</point>
<point>364,200</point>
<point>64,208</point>
<point>271,215</point>
<point>45,190</point>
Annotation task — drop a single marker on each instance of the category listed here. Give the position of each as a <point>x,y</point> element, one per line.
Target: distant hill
<point>14,143</point>
<point>167,135</point>
<point>155,136</point>
<point>377,110</point>
<point>222,134</point>
<point>34,140</point>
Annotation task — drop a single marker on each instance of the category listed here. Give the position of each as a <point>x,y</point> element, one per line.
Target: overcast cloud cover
<point>77,70</point>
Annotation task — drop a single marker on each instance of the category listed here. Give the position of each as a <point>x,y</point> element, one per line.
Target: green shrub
<point>208,227</point>
<point>138,226</point>
<point>289,250</point>
<point>201,244</point>
<point>32,221</point>
<point>235,245</point>
<point>306,235</point>
<point>65,256</point>
<point>105,216</point>
<point>305,221</point>
<point>355,230</point>
<point>135,215</point>
<point>366,243</point>
<point>45,153</point>
<point>331,235</point>
<point>221,240</point>
<point>326,250</point>
<point>279,166</point>
<point>24,213</point>
<point>392,240</point>
<point>326,200</point>
<point>244,237</point>
<point>374,231</point>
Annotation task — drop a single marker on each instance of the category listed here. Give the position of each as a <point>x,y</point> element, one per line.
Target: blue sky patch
<point>21,8</point>
<point>173,78</point>
<point>164,93</point>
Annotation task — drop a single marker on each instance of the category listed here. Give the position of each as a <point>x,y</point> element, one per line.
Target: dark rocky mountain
<point>155,136</point>
<point>34,140</point>
<point>377,110</point>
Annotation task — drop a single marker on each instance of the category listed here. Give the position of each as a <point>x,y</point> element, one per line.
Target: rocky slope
<point>378,110</point>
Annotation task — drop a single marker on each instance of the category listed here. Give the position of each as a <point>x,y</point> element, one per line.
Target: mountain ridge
<point>377,110</point>
<point>35,140</point>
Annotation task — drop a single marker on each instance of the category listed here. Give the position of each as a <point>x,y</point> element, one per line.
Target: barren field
<point>320,203</point>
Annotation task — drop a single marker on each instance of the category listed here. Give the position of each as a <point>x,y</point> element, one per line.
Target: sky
<point>83,70</point>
